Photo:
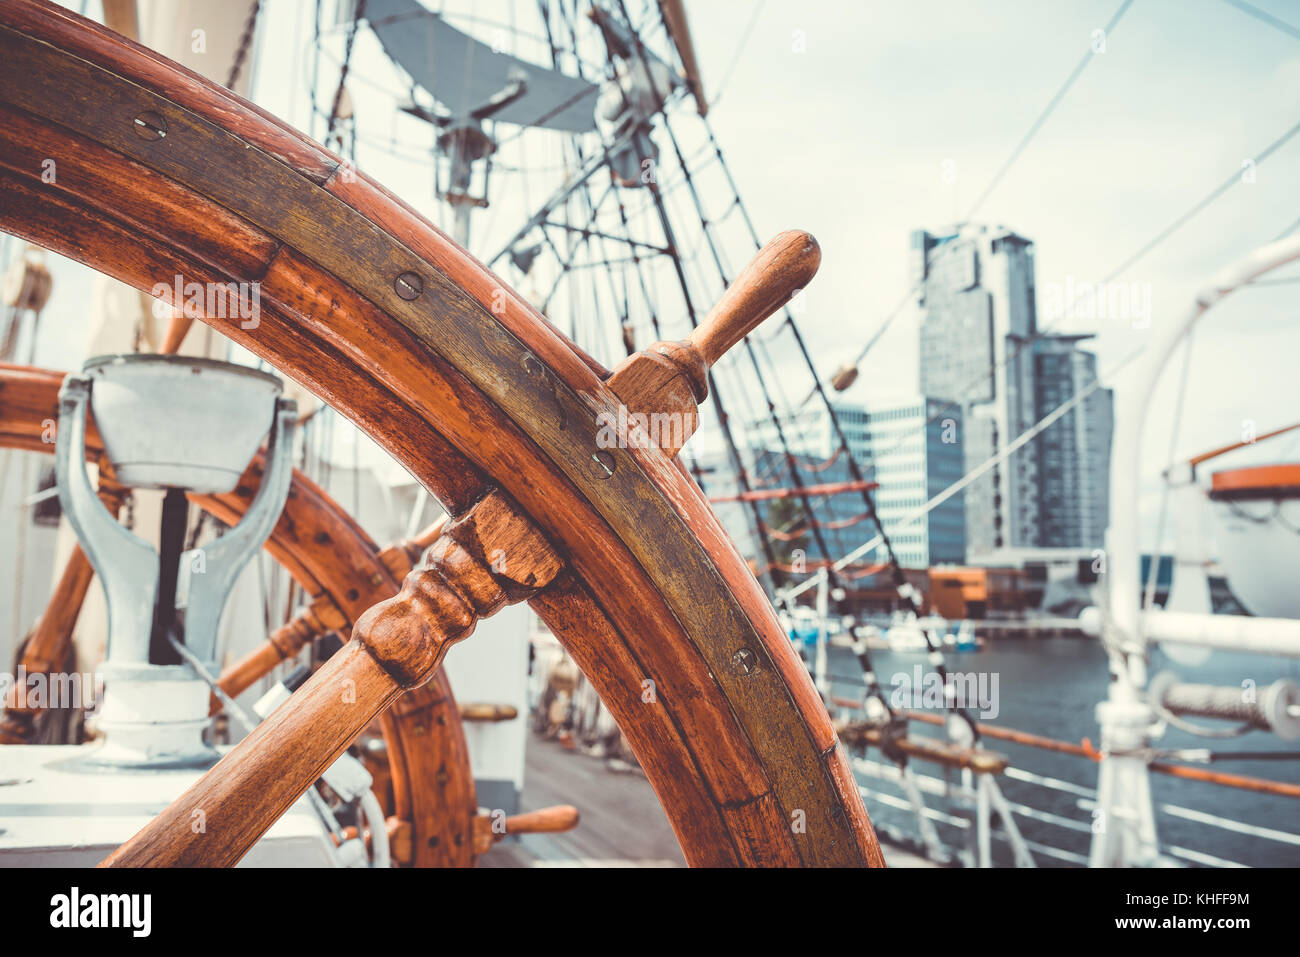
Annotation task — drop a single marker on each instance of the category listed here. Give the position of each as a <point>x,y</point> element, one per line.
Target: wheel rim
<point>459,382</point>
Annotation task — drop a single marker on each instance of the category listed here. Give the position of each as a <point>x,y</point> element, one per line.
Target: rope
<point>343,72</point>
<point>245,42</point>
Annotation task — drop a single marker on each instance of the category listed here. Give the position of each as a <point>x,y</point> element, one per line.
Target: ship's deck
<point>622,824</point>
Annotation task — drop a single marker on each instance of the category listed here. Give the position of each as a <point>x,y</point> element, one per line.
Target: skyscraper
<point>980,349</point>
<point>1073,453</point>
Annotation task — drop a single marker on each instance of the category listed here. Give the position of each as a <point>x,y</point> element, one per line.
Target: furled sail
<point>463,74</point>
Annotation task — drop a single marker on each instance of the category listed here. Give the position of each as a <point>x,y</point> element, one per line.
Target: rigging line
<point>1082,65</point>
<point>357,16</point>
<point>1288,231</point>
<point>627,238</point>
<point>1264,17</point>
<point>880,330</point>
<point>1150,590</point>
<point>830,573</point>
<point>742,474</point>
<point>568,186</point>
<point>1213,195</point>
<point>782,439</point>
<point>749,348</point>
<point>458,21</point>
<point>997,178</point>
<point>899,578</point>
<point>762,350</point>
<point>879,333</point>
<point>587,230</point>
<point>245,42</point>
<point>718,406</point>
<point>593,209</point>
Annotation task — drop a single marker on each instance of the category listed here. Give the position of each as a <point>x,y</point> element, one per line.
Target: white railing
<point>963,794</point>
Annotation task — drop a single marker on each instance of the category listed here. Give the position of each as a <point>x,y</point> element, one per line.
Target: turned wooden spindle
<point>319,618</point>
<point>666,382</point>
<point>546,820</point>
<point>486,711</point>
<point>491,557</point>
<point>400,557</point>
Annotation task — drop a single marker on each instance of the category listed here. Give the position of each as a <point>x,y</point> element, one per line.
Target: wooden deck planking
<point>622,824</point>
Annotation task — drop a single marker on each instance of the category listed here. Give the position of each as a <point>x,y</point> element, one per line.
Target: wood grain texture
<point>428,759</point>
<point>487,711</point>
<point>665,383</point>
<point>782,267</point>
<point>640,538</point>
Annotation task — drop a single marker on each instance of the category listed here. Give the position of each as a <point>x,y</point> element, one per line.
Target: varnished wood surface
<point>782,268</point>
<point>488,829</point>
<point>666,382</point>
<point>427,378</point>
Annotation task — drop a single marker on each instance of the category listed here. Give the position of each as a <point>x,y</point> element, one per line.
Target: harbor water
<point>1050,687</point>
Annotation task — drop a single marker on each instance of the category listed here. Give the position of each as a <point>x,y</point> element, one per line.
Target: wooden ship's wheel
<point>420,758</point>
<point>555,493</point>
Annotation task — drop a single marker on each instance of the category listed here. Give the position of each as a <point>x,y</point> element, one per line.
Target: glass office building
<point>910,447</point>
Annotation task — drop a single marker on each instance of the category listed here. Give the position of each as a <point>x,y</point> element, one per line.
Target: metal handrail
<point>938,787</point>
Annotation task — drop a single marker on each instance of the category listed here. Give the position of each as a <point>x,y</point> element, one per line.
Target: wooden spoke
<point>665,383</point>
<point>491,557</point>
<point>314,621</point>
<point>49,645</point>
<point>489,829</point>
<point>488,712</point>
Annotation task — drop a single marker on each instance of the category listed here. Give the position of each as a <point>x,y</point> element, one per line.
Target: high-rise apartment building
<point>1074,453</point>
<point>980,348</point>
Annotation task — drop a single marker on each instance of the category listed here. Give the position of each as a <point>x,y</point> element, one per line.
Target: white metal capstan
<point>158,416</point>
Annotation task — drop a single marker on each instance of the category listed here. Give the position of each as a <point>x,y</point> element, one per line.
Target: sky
<point>864,121</point>
<point>850,140</point>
